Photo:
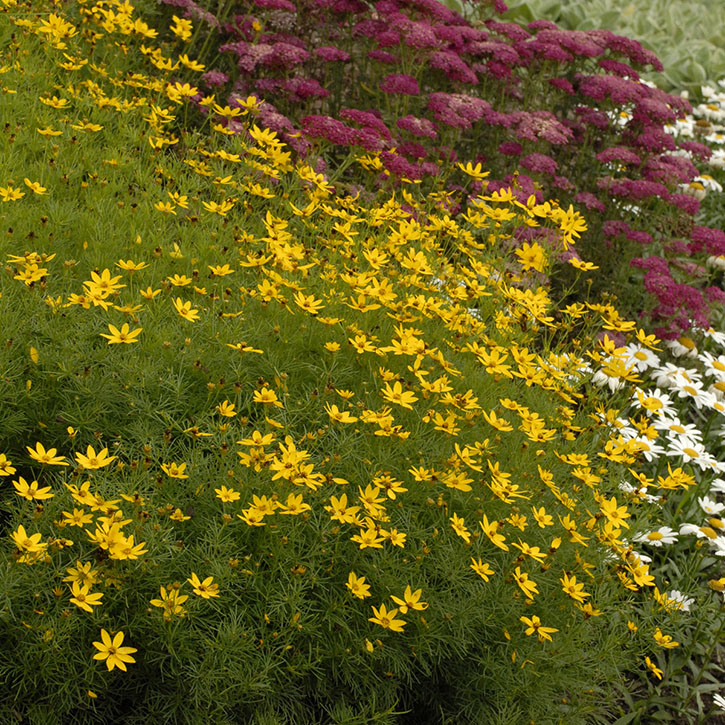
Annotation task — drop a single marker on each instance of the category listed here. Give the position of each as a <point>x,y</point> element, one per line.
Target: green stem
<point>707,658</point>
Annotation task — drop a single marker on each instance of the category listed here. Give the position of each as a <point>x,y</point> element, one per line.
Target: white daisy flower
<point>709,183</point>
<point>717,160</point>
<point>640,493</point>
<point>664,536</point>
<point>717,406</point>
<point>718,466</point>
<point>680,600</point>
<point>702,532</point>
<point>683,347</point>
<point>667,407</point>
<point>666,375</point>
<point>677,430</point>
<point>641,357</point>
<point>718,545</point>
<point>710,111</point>
<point>649,449</point>
<point>717,390</point>
<point>601,379</point>
<point>714,366</point>
<point>710,506</point>
<point>715,335</point>
<point>627,432</point>
<point>688,450</point>
<point>693,390</point>
<point>715,137</point>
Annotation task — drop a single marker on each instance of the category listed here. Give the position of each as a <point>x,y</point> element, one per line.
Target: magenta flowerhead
<point>400,83</point>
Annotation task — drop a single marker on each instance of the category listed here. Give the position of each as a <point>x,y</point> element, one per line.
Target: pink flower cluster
<point>415,83</point>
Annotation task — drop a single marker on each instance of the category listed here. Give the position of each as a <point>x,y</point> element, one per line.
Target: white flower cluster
<point>677,418</point>
<point>707,125</point>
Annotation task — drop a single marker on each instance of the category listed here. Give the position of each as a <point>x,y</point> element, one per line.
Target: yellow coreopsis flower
<point>24,542</point>
<point>395,394</point>
<point>48,457</point>
<point>79,517</point>
<point>165,207</point>
<point>294,506</point>
<point>171,602</point>
<point>410,600</point>
<point>572,588</point>
<point>181,28</point>
<point>221,209</point>
<point>226,111</point>
<point>368,538</point>
<point>483,570</point>
<point>475,172</point>
<point>528,586</point>
<point>531,257</point>
<point>173,470</point>
<point>149,293</point>
<point>220,270</point>
<point>308,303</point>
<point>356,584</point>
<point>339,416</point>
<point>656,671</point>
<point>112,652</point>
<point>582,265</point>
<point>497,422</point>
<point>55,102</point>
<point>226,409</point>
<point>542,518</point>
<point>491,531</point>
<point>615,514</point>
<point>386,619</point>
<point>83,598</point>
<point>6,466</point>
<point>205,589</point>
<point>30,491</point>
<point>124,335</point>
<point>35,187</point>
<point>94,460</point>
<point>130,266</point>
<point>185,310</point>
<point>534,626</point>
<point>459,526</point>
<point>10,194</point>
<point>244,347</point>
<point>665,640</point>
<point>192,64</point>
<point>227,495</point>
<point>178,91</point>
<point>82,574</point>
<point>252,517</point>
<point>267,397</point>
